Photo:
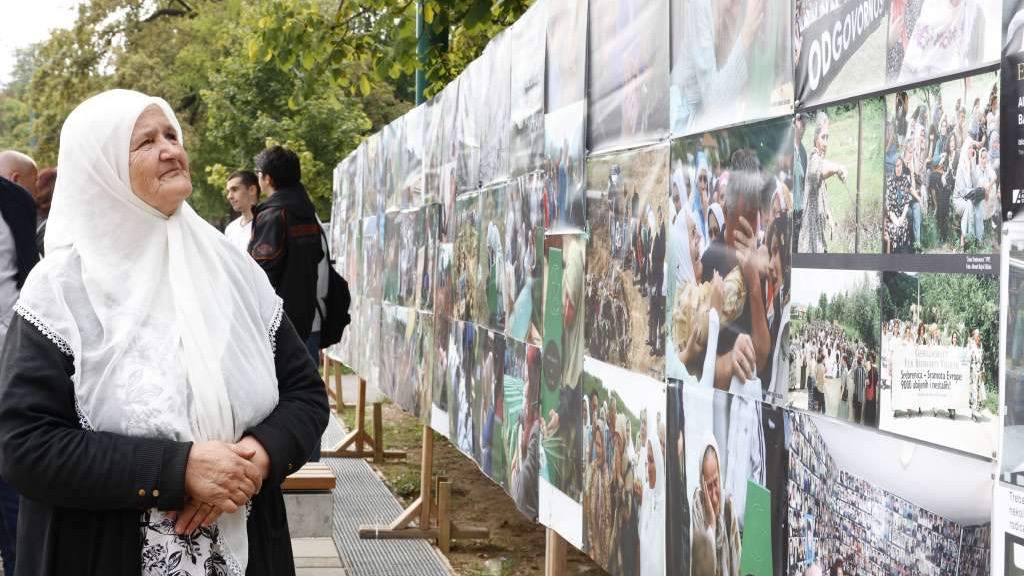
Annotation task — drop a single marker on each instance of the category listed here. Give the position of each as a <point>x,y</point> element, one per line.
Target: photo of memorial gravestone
<point>524,266</point>
<point>524,426</point>
<point>626,259</point>
<point>624,471</point>
<point>837,179</point>
<point>941,168</point>
<point>940,349</point>
<point>561,398</point>
<point>729,234</point>
<point>731,62</point>
<point>835,344</point>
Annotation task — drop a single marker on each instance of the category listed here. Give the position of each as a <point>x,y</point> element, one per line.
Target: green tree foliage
<point>312,75</point>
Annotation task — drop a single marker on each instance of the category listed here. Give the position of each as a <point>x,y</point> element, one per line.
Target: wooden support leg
<point>554,554</point>
<point>378,433</point>
<point>444,523</point>
<point>433,521</point>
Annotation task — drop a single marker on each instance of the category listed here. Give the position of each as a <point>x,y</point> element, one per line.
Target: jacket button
<point>156,493</point>
<point>142,493</point>
<point>289,466</point>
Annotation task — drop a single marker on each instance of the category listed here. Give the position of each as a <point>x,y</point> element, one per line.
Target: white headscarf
<point>171,328</point>
<point>651,518</point>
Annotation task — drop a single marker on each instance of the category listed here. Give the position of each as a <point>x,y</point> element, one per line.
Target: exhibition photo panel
<point>727,490</point>
<point>524,424</point>
<point>625,439</point>
<point>732,62</point>
<point>939,368</point>
<point>1011,172</point>
<point>837,179</point>
<point>528,40</point>
<point>626,259</point>
<point>524,259</point>
<point>728,253</point>
<point>628,84</point>
<point>873,504</point>
<point>1012,468</point>
<point>835,345</point>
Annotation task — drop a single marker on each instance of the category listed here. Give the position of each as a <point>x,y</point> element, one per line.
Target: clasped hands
<point>220,478</point>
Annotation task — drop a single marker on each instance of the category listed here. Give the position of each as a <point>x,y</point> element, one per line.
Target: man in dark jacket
<point>286,236</point>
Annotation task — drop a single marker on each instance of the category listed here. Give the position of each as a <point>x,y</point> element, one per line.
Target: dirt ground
<point>516,545</point>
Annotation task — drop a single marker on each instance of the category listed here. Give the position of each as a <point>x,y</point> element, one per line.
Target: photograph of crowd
<point>728,252</point>
<point>728,462</point>
<point>524,424</point>
<point>929,38</point>
<point>566,54</point>
<point>494,211</point>
<point>565,168</point>
<point>624,442</point>
<point>940,350</point>
<point>837,179</point>
<point>466,265</point>
<point>524,247</point>
<point>561,391</point>
<point>731,62</point>
<point>821,74</point>
<point>942,166</point>
<point>389,173</point>
<point>975,550</point>
<point>626,259</point>
<point>526,149</point>
<point>835,347</point>
<point>860,501</point>
<point>488,405</point>
<point>628,95</point>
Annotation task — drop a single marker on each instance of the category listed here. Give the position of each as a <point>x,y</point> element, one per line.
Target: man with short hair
<point>286,236</point>
<point>243,192</point>
<point>18,254</point>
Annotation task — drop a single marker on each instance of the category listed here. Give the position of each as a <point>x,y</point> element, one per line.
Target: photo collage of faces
<point>709,287</point>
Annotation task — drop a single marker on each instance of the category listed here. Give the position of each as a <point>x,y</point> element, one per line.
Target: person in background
<point>286,236</point>
<point>243,192</point>
<point>799,171</point>
<point>18,255</point>
<point>44,195</point>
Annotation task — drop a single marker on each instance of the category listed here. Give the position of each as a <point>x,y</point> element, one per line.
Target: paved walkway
<point>362,498</point>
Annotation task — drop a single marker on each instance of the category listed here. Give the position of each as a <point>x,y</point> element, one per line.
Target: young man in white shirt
<point>243,193</point>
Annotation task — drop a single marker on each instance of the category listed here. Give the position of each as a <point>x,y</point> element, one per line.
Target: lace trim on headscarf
<point>275,323</point>
<point>50,334</point>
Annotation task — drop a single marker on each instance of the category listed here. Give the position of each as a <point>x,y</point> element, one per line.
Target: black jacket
<point>18,210</point>
<point>286,243</point>
<point>81,504</point>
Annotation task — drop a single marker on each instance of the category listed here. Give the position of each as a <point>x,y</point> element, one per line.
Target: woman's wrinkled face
<point>157,162</point>
<point>709,474</point>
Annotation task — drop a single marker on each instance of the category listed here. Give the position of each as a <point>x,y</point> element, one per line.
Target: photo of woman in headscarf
<point>817,218</point>
<point>716,542</point>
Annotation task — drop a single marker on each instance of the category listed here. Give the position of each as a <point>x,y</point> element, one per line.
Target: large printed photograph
<point>728,259</point>
<point>524,262</point>
<point>727,461</point>
<point>866,503</point>
<point>837,179</point>
<point>940,359</point>
<point>524,424</point>
<point>628,91</point>
<point>624,469</point>
<point>626,259</point>
<point>941,168</point>
<point>731,62</point>
<point>835,344</point>
<point>929,38</point>
<point>528,39</point>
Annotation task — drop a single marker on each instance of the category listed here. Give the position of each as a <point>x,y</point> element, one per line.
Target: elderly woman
<point>817,216</point>
<point>153,397</point>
